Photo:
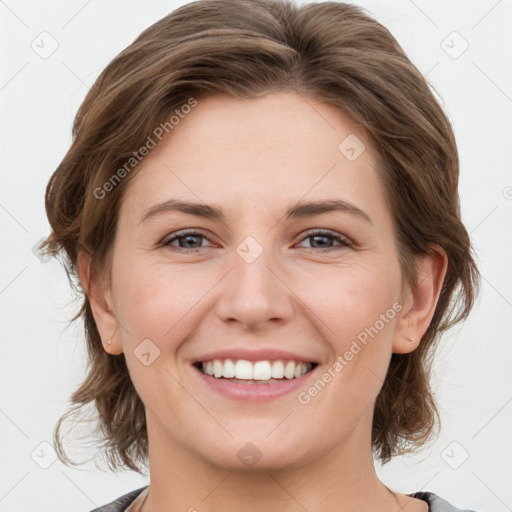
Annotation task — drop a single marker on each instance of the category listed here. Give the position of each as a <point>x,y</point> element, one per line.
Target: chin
<point>254,453</point>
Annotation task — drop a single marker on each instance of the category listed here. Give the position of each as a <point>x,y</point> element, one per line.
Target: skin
<point>254,158</point>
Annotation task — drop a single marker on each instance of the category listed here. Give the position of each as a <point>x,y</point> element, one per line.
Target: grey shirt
<point>435,503</point>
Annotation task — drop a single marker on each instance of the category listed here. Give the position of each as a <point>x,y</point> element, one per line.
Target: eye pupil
<point>321,237</point>
<point>189,239</point>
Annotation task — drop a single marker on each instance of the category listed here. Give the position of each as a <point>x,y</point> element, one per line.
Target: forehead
<point>260,153</point>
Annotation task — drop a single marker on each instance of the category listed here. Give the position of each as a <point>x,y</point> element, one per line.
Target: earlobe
<point>100,301</point>
<point>421,302</point>
<point>111,347</point>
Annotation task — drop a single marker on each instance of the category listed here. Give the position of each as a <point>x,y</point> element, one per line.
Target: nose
<point>255,294</point>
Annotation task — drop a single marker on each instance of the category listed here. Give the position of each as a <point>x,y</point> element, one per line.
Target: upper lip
<point>253,355</point>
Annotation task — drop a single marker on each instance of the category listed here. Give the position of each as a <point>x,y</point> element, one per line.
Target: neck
<point>342,479</point>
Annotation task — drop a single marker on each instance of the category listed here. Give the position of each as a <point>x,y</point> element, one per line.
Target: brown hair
<point>246,48</point>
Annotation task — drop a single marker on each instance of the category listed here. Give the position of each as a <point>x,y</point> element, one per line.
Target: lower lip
<point>254,392</point>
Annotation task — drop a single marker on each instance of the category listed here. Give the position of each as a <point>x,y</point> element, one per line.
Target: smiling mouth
<point>254,372</point>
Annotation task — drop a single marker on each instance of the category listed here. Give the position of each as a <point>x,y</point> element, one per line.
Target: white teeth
<point>243,369</point>
<point>229,369</point>
<point>262,371</point>
<point>258,370</point>
<point>217,368</point>
<point>277,370</point>
<point>289,370</point>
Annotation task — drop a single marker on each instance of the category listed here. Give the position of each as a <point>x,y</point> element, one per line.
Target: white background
<point>42,361</point>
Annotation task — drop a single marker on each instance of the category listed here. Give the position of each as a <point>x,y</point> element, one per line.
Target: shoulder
<point>121,503</point>
<point>436,503</point>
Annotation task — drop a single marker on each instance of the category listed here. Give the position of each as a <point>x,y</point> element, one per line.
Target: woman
<point>260,204</point>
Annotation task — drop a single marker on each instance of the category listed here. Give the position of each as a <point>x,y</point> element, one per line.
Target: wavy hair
<point>246,48</point>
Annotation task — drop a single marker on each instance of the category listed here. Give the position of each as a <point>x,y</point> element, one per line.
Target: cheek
<point>156,300</point>
<point>349,299</point>
<point>358,323</point>
<point>358,306</point>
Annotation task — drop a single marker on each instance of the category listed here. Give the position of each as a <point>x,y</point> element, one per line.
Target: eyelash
<point>345,242</point>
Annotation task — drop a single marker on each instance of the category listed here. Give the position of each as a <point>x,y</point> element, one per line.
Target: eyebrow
<point>301,209</point>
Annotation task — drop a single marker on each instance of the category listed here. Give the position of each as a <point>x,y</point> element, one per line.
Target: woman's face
<point>252,282</point>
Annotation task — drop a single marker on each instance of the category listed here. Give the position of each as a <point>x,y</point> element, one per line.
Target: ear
<point>420,303</point>
<point>100,300</point>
